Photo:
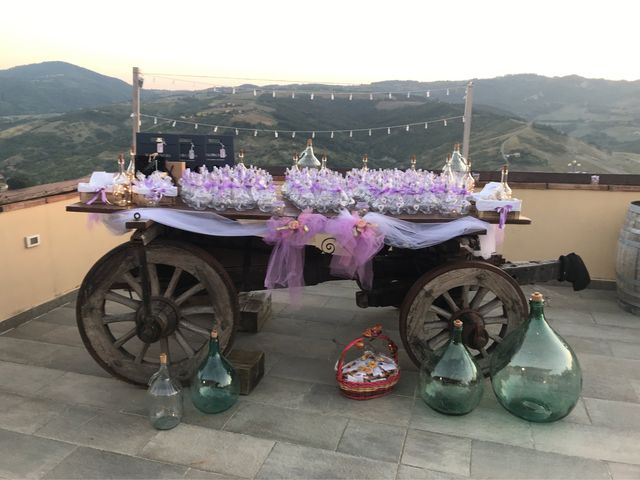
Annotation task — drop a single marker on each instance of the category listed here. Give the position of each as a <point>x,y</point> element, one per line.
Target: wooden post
<point>135,106</point>
<point>468,106</point>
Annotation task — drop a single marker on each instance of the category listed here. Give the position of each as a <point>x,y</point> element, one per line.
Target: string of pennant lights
<point>301,90</point>
<point>407,127</point>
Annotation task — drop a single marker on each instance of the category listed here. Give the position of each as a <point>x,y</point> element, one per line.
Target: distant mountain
<point>54,87</point>
<point>556,121</point>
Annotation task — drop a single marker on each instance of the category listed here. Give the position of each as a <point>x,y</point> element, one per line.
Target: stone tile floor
<point>61,416</point>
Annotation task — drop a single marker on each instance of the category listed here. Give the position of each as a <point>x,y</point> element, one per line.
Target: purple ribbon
<point>102,194</point>
<point>503,211</point>
<point>359,241</point>
<point>286,263</point>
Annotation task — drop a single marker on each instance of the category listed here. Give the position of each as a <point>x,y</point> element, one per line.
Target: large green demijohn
<point>534,373</point>
<point>451,381</point>
<point>214,386</point>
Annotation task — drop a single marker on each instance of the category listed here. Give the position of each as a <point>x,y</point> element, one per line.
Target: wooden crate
<point>255,310</point>
<point>250,368</point>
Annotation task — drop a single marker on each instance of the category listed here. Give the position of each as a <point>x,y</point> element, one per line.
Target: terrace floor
<point>61,416</point>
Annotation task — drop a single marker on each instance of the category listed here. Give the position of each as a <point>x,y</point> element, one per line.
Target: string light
<point>312,133</point>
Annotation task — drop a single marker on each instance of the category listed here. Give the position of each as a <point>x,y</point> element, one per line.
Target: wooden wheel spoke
<point>141,353</point>
<point>168,293</point>
<point>496,320</point>
<point>184,344</point>
<point>133,283</point>
<point>125,338</point>
<point>450,302</point>
<point>438,339</point>
<point>124,317</point>
<point>194,328</point>
<point>494,337</point>
<point>154,283</point>
<point>489,306</point>
<point>465,296</point>
<point>438,325</point>
<point>122,300</point>
<point>478,297</point>
<point>189,293</point>
<point>440,311</point>
<point>198,310</point>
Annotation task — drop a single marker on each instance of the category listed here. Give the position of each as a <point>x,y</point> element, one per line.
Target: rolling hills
<point>549,128</point>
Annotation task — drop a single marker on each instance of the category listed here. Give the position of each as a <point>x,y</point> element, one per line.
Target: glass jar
<point>450,380</point>
<point>164,398</point>
<point>534,373</point>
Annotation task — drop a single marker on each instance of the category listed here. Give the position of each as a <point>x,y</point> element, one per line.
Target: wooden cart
<point>166,288</point>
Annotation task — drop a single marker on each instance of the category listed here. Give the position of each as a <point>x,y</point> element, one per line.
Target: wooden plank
<point>624,188</point>
<point>577,186</point>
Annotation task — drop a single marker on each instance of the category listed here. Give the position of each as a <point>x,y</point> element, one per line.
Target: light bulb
<point>215,129</point>
<point>237,132</point>
<point>312,96</point>
<point>428,93</point>
<point>369,132</point>
<point>445,123</point>
<point>333,97</point>
<point>255,133</point>
<point>388,130</point>
<point>407,128</point>
<point>293,134</point>
<point>195,126</point>
<point>155,120</point>
<point>351,96</point>
<point>350,133</point>
<point>173,124</point>
<point>275,134</point>
<point>331,134</point>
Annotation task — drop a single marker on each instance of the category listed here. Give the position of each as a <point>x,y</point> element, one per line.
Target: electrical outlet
<point>31,241</point>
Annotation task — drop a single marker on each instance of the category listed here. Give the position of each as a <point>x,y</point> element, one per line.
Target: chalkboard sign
<point>194,150</point>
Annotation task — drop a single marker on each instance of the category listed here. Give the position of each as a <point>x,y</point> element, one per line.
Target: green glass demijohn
<point>451,381</point>
<point>164,398</point>
<point>534,373</point>
<point>214,386</point>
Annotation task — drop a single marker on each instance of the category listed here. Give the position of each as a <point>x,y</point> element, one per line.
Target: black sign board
<point>194,150</point>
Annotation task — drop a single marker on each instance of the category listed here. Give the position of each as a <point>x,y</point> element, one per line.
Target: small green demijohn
<point>450,380</point>
<point>534,373</point>
<point>214,386</point>
<point>164,398</point>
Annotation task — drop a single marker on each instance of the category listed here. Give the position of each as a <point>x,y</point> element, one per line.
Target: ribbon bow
<point>359,241</point>
<point>102,195</point>
<point>288,237</point>
<point>503,212</point>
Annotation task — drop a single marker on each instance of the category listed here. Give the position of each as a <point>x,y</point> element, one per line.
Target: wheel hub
<point>474,333</point>
<point>161,322</point>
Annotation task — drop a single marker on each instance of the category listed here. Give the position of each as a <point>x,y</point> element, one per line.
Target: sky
<point>328,41</point>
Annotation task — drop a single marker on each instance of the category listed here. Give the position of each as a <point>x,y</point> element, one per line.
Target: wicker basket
<point>367,390</point>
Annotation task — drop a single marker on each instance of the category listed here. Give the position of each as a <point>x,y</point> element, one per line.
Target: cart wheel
<point>190,294</point>
<point>488,301</point>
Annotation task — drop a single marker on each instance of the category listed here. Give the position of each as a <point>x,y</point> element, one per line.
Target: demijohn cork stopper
<point>214,333</point>
<point>163,359</point>
<point>457,323</point>
<point>537,297</point>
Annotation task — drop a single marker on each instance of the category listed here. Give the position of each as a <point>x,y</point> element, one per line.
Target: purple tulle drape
<point>358,242</point>
<point>289,237</point>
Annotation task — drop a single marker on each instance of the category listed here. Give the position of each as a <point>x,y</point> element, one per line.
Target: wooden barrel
<point>628,261</point>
